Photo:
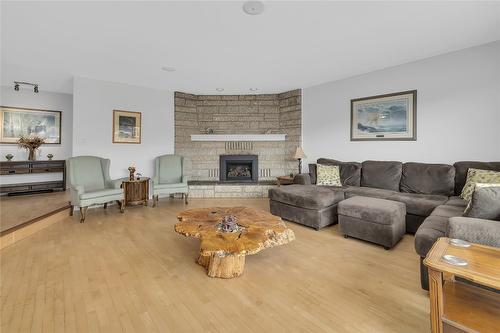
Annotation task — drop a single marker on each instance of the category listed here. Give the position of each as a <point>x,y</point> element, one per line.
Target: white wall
<point>93,105</point>
<point>458,111</point>
<point>26,98</point>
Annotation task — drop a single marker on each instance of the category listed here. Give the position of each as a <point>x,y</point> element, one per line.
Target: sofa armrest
<point>480,231</point>
<point>302,179</point>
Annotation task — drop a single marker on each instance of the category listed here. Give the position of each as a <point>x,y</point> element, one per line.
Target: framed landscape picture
<point>385,117</point>
<point>17,122</point>
<point>126,127</point>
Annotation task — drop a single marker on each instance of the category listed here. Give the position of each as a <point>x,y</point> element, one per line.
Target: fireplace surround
<point>238,168</point>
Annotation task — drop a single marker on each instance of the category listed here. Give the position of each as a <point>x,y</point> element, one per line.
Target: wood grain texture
<point>223,253</point>
<point>129,273</point>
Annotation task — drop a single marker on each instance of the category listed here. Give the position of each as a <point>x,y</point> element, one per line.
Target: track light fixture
<point>17,84</point>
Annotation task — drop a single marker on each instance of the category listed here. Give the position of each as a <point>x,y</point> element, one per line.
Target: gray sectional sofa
<point>429,191</point>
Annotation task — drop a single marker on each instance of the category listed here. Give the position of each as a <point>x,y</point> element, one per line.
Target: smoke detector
<point>253,7</point>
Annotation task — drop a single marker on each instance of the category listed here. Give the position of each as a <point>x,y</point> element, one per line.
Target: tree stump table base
<point>223,267</point>
<point>223,253</point>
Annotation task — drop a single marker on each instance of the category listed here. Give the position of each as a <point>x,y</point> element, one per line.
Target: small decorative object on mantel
<point>50,156</point>
<point>31,144</point>
<point>131,170</point>
<point>385,117</point>
<point>229,224</point>
<point>299,155</point>
<point>209,130</point>
<point>9,157</point>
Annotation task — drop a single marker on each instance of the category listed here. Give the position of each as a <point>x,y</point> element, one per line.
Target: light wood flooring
<point>132,273</point>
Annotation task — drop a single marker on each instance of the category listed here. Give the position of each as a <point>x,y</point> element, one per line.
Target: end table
<point>136,192</point>
<point>284,180</point>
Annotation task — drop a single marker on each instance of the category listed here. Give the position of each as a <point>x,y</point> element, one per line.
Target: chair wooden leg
<point>155,200</point>
<point>83,212</point>
<point>71,210</point>
<point>105,205</point>
<point>185,198</point>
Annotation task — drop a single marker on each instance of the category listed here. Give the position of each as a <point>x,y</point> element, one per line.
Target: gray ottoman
<point>375,220</point>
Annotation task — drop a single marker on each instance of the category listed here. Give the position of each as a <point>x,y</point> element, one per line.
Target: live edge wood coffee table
<point>464,307</point>
<point>223,252</point>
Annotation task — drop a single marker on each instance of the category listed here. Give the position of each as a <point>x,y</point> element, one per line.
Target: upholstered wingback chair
<point>90,184</point>
<point>169,178</point>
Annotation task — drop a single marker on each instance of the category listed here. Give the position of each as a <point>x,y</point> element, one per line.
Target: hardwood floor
<point>131,272</point>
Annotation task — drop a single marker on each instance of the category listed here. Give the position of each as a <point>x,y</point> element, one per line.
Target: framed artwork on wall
<point>16,122</point>
<point>385,117</point>
<point>126,126</point>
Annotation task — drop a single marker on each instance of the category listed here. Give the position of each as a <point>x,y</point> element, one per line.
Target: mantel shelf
<point>238,137</point>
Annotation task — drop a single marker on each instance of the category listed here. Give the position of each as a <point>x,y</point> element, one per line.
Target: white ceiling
<point>214,44</point>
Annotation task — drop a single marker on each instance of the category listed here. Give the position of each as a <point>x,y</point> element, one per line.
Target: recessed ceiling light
<point>253,7</point>
<point>168,69</point>
<point>253,89</point>
<point>219,89</point>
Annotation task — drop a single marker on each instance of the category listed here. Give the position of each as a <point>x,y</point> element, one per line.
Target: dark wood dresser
<point>33,167</point>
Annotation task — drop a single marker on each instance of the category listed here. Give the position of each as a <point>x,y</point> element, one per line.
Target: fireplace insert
<point>239,168</point>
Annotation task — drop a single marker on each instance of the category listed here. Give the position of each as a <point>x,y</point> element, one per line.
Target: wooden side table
<point>136,192</point>
<point>463,307</point>
<point>284,180</point>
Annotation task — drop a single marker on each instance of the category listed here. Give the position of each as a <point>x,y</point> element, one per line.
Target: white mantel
<point>238,137</point>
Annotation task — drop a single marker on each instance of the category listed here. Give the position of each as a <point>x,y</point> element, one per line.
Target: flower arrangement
<point>31,144</point>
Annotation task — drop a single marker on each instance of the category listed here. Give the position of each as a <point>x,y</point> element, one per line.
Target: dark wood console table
<point>33,167</point>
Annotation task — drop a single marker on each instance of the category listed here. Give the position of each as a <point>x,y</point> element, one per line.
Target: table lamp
<point>299,155</point>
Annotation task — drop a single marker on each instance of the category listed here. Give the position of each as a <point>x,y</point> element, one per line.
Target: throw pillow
<point>328,175</point>
<point>485,202</point>
<point>478,176</point>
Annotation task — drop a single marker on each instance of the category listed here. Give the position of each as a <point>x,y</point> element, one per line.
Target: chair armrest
<point>302,179</point>
<point>75,192</point>
<point>480,231</point>
<point>184,179</point>
<point>115,183</point>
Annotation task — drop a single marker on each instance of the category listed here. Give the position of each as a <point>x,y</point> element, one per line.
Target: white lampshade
<point>299,153</point>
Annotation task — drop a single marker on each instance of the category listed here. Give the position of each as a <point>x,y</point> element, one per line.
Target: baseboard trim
<point>19,232</point>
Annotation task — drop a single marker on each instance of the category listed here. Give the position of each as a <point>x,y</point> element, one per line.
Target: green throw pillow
<point>478,176</point>
<point>328,175</point>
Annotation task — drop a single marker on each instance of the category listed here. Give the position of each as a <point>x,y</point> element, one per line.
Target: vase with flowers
<point>31,144</point>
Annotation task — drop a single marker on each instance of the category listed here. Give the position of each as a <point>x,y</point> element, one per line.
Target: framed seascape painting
<point>126,127</point>
<point>385,117</point>
<point>17,122</point>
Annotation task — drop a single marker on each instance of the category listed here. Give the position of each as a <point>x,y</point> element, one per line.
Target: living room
<point>222,166</point>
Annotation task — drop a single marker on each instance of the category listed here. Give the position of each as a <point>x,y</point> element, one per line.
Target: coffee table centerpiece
<point>228,234</point>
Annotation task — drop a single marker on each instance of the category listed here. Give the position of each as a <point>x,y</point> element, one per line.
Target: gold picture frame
<point>127,126</point>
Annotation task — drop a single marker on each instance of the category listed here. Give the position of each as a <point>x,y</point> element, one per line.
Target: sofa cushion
<point>101,193</point>
<point>485,204</point>
<point>456,201</point>
<point>419,204</point>
<point>306,196</point>
<point>352,191</point>
<point>373,210</point>
<point>424,178</point>
<point>312,172</point>
<point>461,171</point>
<point>432,228</point>
<point>447,211</point>
<point>350,172</point>
<point>381,174</point>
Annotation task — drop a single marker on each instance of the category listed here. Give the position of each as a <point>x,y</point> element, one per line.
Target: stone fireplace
<point>238,168</point>
<point>208,127</point>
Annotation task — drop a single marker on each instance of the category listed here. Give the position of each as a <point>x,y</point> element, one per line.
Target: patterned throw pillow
<point>478,176</point>
<point>328,175</point>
